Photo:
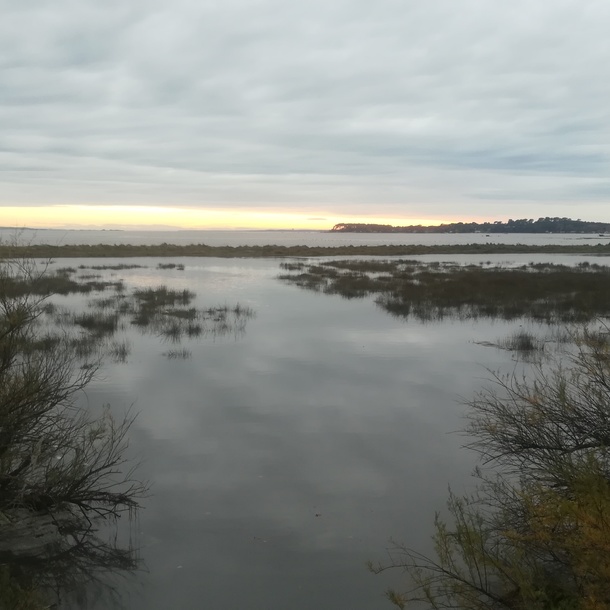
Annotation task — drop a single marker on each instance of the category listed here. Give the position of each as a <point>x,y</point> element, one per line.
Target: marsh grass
<point>49,308</point>
<point>99,323</point>
<point>176,266</point>
<point>172,250</point>
<point>120,350</point>
<point>292,266</point>
<point>242,311</point>
<point>184,314</point>
<point>54,283</point>
<point>90,331</point>
<point>178,354</point>
<point>43,343</point>
<point>86,346</point>
<point>163,297</point>
<point>166,313</point>
<point>120,267</point>
<point>523,342</point>
<point>103,303</point>
<point>543,292</point>
<point>194,330</point>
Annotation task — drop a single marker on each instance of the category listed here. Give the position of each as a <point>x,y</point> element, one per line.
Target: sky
<point>285,114</point>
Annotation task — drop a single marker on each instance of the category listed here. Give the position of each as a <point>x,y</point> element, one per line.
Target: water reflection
<point>48,561</point>
<point>69,476</point>
<point>285,458</point>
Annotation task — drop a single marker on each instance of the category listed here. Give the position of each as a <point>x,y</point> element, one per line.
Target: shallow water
<point>283,458</point>
<point>285,238</point>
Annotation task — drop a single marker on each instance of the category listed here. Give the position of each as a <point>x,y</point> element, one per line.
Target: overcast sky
<point>433,109</point>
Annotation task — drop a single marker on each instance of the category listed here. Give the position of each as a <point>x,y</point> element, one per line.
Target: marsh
<point>284,453</point>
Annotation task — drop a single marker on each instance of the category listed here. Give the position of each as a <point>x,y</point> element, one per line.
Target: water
<point>282,459</point>
<point>285,238</point>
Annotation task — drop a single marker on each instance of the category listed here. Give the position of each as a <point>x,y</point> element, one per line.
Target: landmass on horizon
<point>523,225</point>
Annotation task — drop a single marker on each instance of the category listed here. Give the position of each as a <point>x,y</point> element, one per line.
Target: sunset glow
<point>144,217</point>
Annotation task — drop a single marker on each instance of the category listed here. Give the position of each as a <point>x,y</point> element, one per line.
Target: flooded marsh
<point>547,292</point>
<point>288,434</point>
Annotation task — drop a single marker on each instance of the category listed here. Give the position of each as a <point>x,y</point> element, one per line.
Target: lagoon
<point>285,456</point>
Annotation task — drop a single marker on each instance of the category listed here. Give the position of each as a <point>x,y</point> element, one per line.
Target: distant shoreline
<point>275,251</point>
<point>554,225</point>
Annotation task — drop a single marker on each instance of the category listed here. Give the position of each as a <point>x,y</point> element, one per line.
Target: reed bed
<point>544,292</point>
<point>171,250</point>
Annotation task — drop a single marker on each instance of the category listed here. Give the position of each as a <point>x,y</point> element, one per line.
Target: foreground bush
<point>63,473</point>
<point>536,535</point>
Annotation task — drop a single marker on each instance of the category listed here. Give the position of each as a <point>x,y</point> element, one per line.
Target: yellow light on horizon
<point>151,217</point>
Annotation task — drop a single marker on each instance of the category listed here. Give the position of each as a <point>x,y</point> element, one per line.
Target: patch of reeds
<point>120,267</point>
<point>50,283</point>
<point>99,286</point>
<point>54,283</point>
<point>103,303</point>
<point>523,342</point>
<point>292,266</point>
<point>171,330</point>
<point>98,323</point>
<point>544,292</point>
<point>85,346</point>
<point>166,313</point>
<point>178,354</point>
<point>49,308</point>
<point>364,266</point>
<point>120,350</point>
<point>45,343</point>
<point>184,314</point>
<point>163,297</point>
<point>242,311</point>
<point>176,266</point>
<point>194,330</point>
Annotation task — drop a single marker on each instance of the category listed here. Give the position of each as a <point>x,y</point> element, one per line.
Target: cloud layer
<point>398,107</point>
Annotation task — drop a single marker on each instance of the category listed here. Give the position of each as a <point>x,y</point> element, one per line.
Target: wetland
<point>288,432</point>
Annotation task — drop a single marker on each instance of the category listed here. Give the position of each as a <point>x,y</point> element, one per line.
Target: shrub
<point>59,466</point>
<point>536,534</point>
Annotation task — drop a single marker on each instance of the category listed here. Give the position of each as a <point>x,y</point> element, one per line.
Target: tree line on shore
<point>522,225</point>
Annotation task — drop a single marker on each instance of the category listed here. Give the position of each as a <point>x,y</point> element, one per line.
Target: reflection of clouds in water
<point>324,407</point>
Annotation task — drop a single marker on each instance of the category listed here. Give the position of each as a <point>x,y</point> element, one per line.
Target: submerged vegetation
<point>536,533</point>
<point>523,342</point>
<point>427,291</point>
<point>165,312</point>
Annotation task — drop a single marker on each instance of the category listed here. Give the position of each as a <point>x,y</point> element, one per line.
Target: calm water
<point>283,238</point>
<point>284,458</point>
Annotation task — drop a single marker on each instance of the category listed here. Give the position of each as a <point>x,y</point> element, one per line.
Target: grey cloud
<point>299,104</point>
